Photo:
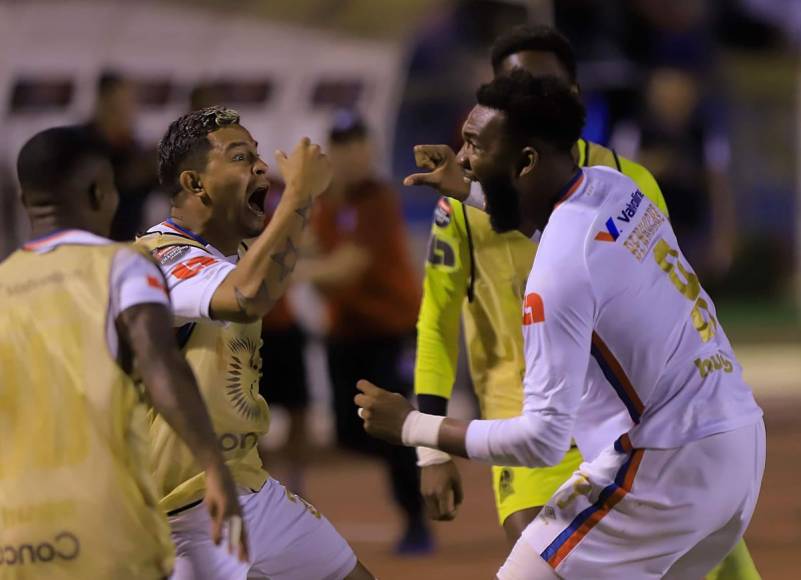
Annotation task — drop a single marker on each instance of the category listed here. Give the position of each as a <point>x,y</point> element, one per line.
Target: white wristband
<point>477,199</point>
<point>427,456</point>
<point>421,430</point>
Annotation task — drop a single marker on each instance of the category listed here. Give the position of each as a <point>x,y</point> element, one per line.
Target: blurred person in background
<point>678,135</point>
<point>475,272</point>
<point>372,291</point>
<point>113,126</point>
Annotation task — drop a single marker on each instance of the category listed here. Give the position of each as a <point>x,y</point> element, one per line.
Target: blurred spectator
<point>680,139</point>
<point>373,295</point>
<point>113,125</point>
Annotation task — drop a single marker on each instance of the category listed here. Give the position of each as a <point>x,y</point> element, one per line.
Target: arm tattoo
<point>248,305</point>
<point>305,211</point>
<point>286,259</point>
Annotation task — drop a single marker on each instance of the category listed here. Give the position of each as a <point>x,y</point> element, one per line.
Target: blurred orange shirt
<point>386,298</point>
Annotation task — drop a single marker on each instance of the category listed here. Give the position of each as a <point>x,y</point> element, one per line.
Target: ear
<point>190,182</point>
<point>528,161</point>
<point>95,196</point>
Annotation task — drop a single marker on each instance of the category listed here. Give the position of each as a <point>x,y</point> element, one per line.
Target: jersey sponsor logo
<point>236,441</point>
<point>506,483</point>
<point>611,234</point>
<point>192,267</point>
<point>170,254</point>
<point>442,213</point>
<point>639,240</point>
<point>631,207</point>
<point>716,362</point>
<point>533,309</point>
<point>244,371</point>
<point>441,253</point>
<point>154,282</point>
<point>64,546</point>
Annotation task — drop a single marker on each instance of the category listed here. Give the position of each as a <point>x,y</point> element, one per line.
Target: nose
<point>260,167</point>
<point>461,157</point>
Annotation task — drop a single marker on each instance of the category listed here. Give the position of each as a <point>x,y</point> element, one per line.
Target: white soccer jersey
<point>613,309</point>
<point>193,275</point>
<point>134,279</point>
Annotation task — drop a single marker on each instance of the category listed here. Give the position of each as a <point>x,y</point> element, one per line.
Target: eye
<point>239,157</point>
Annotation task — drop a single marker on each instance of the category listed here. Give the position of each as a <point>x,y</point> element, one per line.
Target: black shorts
<point>283,368</point>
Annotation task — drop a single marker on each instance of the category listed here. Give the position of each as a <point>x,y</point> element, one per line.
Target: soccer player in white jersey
<point>611,308</point>
<point>211,166</point>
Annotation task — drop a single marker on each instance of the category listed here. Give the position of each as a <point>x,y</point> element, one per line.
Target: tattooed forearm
<point>286,259</point>
<point>305,211</point>
<point>261,301</point>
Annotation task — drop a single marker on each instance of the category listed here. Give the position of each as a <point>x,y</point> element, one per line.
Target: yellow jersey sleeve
<point>645,181</point>
<point>445,287</point>
<point>594,154</point>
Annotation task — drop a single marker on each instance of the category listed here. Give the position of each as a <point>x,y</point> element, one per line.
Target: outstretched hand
<point>383,412</point>
<point>441,488</point>
<point>445,174</point>
<point>222,502</point>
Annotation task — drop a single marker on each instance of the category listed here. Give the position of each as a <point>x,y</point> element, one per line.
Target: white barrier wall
<point>74,40</point>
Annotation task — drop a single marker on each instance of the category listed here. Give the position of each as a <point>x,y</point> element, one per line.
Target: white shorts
<point>649,513</point>
<point>287,540</point>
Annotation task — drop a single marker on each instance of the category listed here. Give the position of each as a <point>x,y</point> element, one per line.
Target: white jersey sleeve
<point>134,280</point>
<point>558,313</point>
<point>193,276</point>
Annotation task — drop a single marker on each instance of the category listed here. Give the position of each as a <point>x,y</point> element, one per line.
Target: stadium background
<point>410,67</point>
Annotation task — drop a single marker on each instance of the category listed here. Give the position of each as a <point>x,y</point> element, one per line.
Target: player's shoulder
<point>602,193</point>
<point>168,247</point>
<point>593,189</point>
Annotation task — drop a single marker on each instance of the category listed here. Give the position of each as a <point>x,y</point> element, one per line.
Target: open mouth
<point>257,198</point>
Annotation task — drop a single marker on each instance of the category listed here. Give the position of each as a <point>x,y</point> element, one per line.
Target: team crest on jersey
<point>442,213</point>
<point>170,254</point>
<point>244,372</point>
<point>506,483</point>
<point>610,234</point>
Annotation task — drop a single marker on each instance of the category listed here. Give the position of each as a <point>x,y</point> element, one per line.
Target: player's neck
<point>46,220</point>
<point>206,229</point>
<point>550,184</point>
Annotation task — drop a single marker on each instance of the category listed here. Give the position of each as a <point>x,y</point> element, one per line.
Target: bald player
<point>81,317</point>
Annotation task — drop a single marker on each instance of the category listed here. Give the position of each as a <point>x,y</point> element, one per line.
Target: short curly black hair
<point>50,160</point>
<point>544,108</point>
<point>186,141</point>
<point>538,38</point>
